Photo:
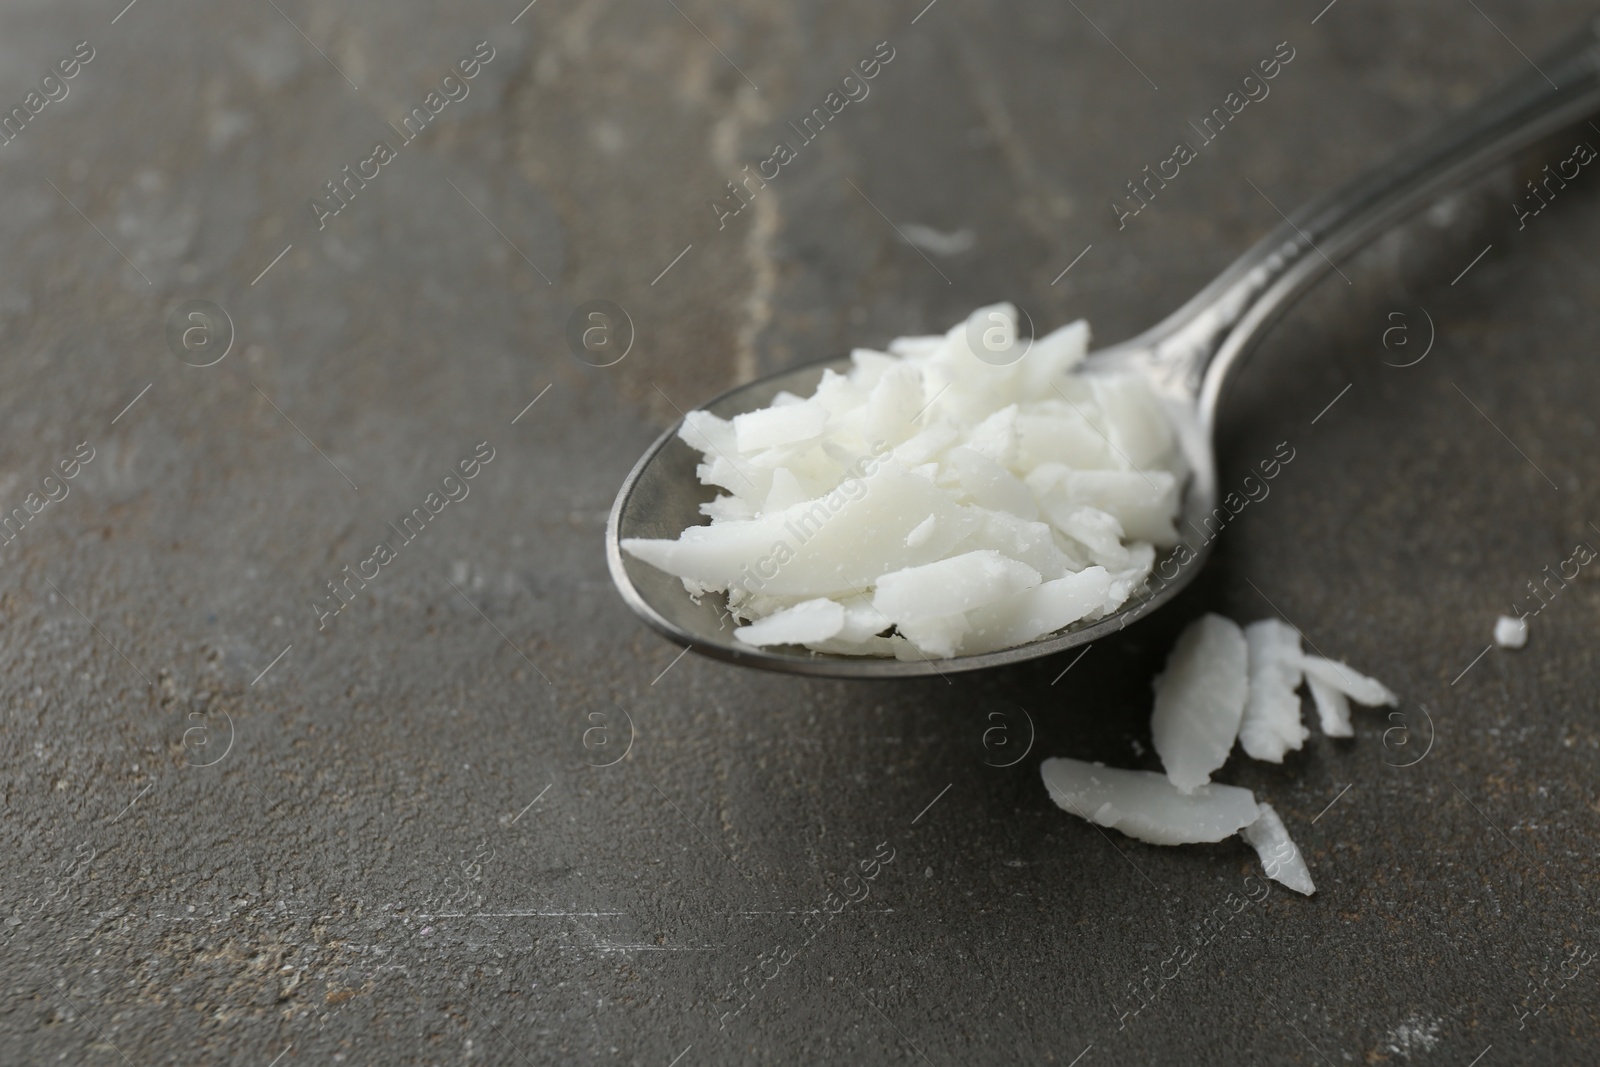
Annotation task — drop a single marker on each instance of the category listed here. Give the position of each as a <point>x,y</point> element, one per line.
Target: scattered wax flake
<point>814,620</point>
<point>1200,700</point>
<point>1271,725</point>
<point>1146,805</point>
<point>1333,708</point>
<point>1279,857</point>
<point>1352,683</point>
<point>1220,683</point>
<point>1509,632</point>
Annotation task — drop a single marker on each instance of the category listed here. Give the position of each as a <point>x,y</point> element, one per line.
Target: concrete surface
<point>483,815</point>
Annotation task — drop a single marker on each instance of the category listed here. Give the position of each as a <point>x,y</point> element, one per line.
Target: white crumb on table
<point>1509,632</point>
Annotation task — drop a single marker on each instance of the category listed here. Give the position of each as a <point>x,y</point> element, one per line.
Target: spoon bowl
<point>662,497</point>
<point>1186,360</point>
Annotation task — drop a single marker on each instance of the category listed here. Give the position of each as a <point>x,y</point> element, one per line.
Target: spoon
<point>1186,360</point>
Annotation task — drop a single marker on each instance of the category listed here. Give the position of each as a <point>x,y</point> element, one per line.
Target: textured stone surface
<point>395,846</point>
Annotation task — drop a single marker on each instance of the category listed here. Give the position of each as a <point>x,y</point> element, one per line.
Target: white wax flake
<point>1365,691</point>
<point>1333,707</point>
<point>1126,580</point>
<point>1144,501</point>
<point>786,491</point>
<point>951,586</point>
<point>813,620</point>
<point>975,504</point>
<point>861,619</point>
<point>817,548</point>
<point>986,483</point>
<point>1510,632</point>
<point>1099,532</point>
<point>1279,857</point>
<point>894,404</point>
<point>921,532</point>
<point>1132,418</point>
<point>935,635</point>
<point>1271,725</point>
<point>1220,684</point>
<point>781,425</point>
<point>996,436</point>
<point>929,442</point>
<point>1034,612</point>
<point>1023,540</point>
<point>705,432</point>
<point>1146,805</point>
<point>1200,700</point>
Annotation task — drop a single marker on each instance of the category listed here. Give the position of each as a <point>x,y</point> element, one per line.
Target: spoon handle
<point>1196,347</point>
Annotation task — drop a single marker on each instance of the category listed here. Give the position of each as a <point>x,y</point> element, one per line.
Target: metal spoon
<point>1187,359</point>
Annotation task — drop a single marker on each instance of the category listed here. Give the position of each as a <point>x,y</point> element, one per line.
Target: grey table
<point>479,813</point>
